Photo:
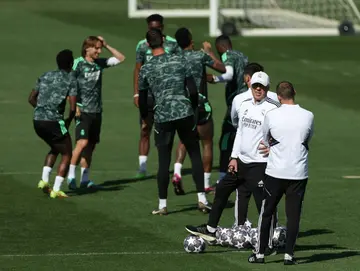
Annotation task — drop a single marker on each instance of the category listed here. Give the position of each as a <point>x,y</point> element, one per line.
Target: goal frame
<point>212,13</point>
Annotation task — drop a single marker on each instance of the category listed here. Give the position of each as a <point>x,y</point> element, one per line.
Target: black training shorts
<point>88,126</point>
<point>52,132</point>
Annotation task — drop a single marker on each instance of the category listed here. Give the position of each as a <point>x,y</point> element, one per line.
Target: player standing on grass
<point>88,70</point>
<point>247,165</point>
<point>235,63</point>
<point>144,54</point>
<point>169,80</point>
<point>287,132</point>
<point>198,60</point>
<point>243,193</point>
<point>49,100</point>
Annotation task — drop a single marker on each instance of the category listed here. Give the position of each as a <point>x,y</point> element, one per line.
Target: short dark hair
<point>65,59</point>
<point>252,68</point>
<point>155,18</point>
<point>223,40</point>
<point>183,37</point>
<point>285,90</point>
<point>155,38</point>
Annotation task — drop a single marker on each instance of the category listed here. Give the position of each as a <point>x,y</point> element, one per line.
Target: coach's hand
<point>232,168</point>
<point>263,149</point>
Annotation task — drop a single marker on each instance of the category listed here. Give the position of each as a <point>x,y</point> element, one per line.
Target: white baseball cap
<point>260,78</point>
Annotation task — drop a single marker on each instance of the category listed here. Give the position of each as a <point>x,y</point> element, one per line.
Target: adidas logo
<point>260,184</point>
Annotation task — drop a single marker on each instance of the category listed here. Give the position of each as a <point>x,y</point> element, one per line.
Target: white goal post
<point>261,17</point>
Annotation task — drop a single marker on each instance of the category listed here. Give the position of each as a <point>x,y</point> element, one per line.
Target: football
<point>194,244</point>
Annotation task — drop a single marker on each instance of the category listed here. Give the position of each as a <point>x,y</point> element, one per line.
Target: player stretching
<point>198,60</point>
<point>88,70</point>
<point>143,54</point>
<point>235,63</point>
<point>49,100</point>
<point>169,79</point>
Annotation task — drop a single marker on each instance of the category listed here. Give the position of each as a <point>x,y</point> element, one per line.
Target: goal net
<point>257,17</point>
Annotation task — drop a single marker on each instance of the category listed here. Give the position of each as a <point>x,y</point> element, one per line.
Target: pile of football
<point>245,237</point>
<point>240,237</point>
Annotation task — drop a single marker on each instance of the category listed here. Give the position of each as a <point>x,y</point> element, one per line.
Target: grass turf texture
<point>112,229</point>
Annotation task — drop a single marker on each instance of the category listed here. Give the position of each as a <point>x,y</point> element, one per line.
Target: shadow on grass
<point>313,232</point>
<point>193,207</point>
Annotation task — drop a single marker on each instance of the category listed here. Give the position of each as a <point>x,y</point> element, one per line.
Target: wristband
<point>136,95</point>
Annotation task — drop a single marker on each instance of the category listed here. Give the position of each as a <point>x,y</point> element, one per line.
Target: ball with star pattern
<point>194,244</point>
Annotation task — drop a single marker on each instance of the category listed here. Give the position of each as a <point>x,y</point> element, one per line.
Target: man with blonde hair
<point>88,70</point>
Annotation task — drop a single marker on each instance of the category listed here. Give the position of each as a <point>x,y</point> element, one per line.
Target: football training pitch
<point>112,229</point>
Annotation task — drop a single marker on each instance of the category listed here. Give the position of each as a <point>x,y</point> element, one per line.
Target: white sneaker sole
<point>203,236</point>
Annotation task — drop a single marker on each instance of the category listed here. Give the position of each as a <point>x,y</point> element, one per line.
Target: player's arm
<point>266,131</point>
<point>34,93</point>
<point>191,86</point>
<point>33,97</point>
<point>140,59</point>
<point>143,91</point>
<point>229,70</point>
<point>211,60</point>
<point>117,56</point>
<point>72,102</point>
<point>233,113</point>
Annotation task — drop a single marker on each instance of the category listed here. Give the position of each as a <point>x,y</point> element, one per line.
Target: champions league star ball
<point>241,239</point>
<point>224,236</point>
<point>194,244</point>
<point>254,237</point>
<point>279,238</point>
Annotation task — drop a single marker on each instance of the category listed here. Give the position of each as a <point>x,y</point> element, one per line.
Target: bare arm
<point>72,111</point>
<point>112,50</point>
<point>33,98</point>
<point>217,64</point>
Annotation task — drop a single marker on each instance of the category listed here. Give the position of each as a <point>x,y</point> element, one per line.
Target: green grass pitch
<point>113,228</point>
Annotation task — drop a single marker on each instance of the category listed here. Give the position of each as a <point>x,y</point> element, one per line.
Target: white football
<point>194,244</point>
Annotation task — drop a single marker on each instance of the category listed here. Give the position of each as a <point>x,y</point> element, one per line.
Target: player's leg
<point>273,191</point>
<point>164,139</point>
<point>64,147</point>
<point>224,188</point>
<point>88,151</point>
<point>294,197</point>
<point>44,129</point>
<point>144,142</point>
<point>176,180</point>
<point>186,129</point>
<point>206,134</point>
<point>228,133</point>
<point>82,130</point>
<point>242,200</point>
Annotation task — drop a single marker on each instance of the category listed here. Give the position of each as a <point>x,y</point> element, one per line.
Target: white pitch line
<point>89,254</point>
<point>351,177</point>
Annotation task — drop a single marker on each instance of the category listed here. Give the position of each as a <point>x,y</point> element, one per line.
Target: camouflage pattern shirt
<point>144,53</point>
<point>238,61</point>
<point>89,80</point>
<point>53,88</point>
<point>198,60</point>
<point>164,77</point>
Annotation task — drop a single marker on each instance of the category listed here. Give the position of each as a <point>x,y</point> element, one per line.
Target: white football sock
<point>85,174</point>
<point>177,169</point>
<point>288,257</point>
<point>162,203</point>
<point>58,182</point>
<point>207,176</point>
<point>142,163</point>
<point>202,197</point>
<point>211,229</point>
<point>71,174</point>
<point>46,174</point>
